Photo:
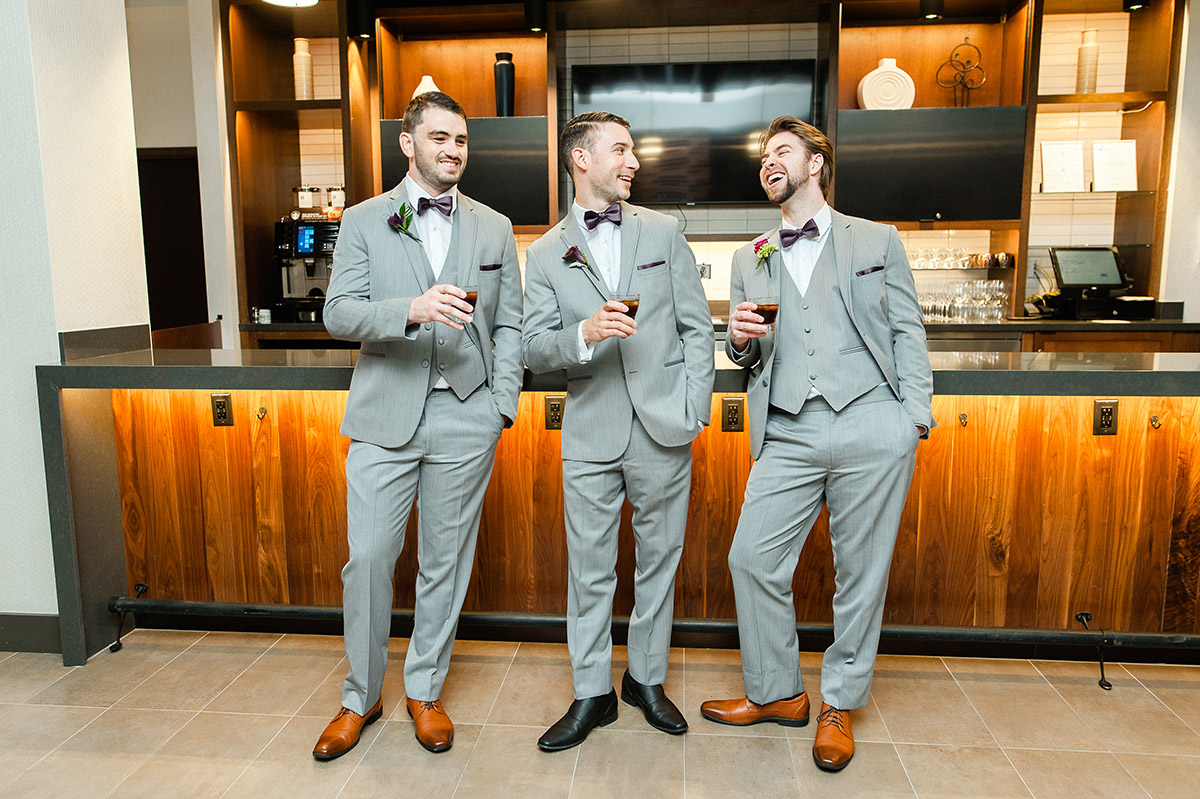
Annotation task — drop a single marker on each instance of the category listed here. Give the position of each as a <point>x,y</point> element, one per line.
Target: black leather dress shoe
<point>582,716</point>
<point>660,711</point>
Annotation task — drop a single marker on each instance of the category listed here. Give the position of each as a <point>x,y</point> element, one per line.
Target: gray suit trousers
<point>657,480</point>
<point>860,462</point>
<point>446,466</point>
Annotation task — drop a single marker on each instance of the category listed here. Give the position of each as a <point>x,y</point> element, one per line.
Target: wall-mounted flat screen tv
<point>696,127</point>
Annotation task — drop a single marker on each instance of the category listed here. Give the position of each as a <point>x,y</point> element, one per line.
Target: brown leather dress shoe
<point>742,712</point>
<point>435,731</point>
<point>835,739</point>
<point>343,732</point>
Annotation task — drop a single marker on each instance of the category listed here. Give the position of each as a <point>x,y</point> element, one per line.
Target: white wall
<point>1181,272</point>
<point>89,163</point>
<point>26,328</point>
<point>160,64</point>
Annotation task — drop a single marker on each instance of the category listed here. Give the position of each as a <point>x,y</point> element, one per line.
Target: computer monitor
<point>1087,267</point>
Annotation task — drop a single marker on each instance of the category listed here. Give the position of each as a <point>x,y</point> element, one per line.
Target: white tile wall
<point>321,156</point>
<point>326,83</point>
<point>1061,37</point>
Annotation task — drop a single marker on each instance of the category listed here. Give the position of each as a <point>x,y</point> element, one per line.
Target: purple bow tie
<point>612,213</point>
<point>445,204</point>
<point>788,236</point>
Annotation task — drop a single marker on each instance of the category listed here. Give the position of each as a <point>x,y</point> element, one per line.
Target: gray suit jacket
<point>877,286</point>
<point>663,373</point>
<point>377,272</point>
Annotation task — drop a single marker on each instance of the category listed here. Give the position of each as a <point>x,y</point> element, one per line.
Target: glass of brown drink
<point>768,309</point>
<point>630,301</point>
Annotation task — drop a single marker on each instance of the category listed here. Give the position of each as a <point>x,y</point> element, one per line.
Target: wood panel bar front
<point>1018,516</point>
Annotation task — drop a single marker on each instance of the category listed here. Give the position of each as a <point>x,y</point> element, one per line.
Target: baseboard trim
<point>29,632</point>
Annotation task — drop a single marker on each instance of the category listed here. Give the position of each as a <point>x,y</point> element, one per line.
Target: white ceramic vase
<point>302,69</point>
<point>1089,62</point>
<point>426,85</point>
<point>886,86</point>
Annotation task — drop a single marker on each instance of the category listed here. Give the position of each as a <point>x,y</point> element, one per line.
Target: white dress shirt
<point>604,243</point>
<point>801,258</point>
<point>433,229</point>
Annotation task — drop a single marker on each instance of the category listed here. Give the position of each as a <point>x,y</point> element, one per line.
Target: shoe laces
<point>427,704</point>
<point>833,717</point>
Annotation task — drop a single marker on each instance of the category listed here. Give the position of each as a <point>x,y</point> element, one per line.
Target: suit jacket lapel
<point>843,251</point>
<point>572,236</point>
<point>769,273</point>
<point>414,251</point>
<point>631,227</point>
<point>457,269</point>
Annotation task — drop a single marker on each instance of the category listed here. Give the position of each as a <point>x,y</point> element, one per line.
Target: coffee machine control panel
<point>305,239</point>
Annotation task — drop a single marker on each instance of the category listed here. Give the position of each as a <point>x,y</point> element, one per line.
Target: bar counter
<point>1018,515</point>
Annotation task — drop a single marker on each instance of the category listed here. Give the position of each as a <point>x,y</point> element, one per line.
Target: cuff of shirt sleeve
<point>585,349</point>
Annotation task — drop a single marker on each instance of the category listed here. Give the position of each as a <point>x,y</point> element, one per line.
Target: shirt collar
<point>415,193</point>
<point>578,211</point>
<point>823,218</point>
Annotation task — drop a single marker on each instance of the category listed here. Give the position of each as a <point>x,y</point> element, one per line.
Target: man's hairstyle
<point>814,141</point>
<point>416,109</point>
<point>581,132</point>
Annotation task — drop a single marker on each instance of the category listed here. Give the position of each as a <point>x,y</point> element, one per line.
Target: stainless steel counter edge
<point>982,373</point>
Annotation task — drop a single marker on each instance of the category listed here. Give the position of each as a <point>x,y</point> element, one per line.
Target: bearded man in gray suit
<point>436,382</point>
<point>840,391</point>
<point>638,393</point>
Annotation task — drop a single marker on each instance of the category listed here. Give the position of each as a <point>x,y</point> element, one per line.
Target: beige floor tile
<point>921,703</point>
<point>1128,718</point>
<point>30,732</point>
<point>961,772</point>
<point>630,717</point>
<point>1019,707</point>
<point>732,766</point>
<point>507,763</point>
<point>395,759</point>
<point>327,699</point>
<point>1177,686</point>
<point>23,674</point>
<point>537,690</point>
<point>192,680</point>
<point>717,674</point>
<point>617,764</point>
<point>203,758</point>
<point>284,678</point>
<point>111,675</point>
<point>96,759</point>
<point>1074,775</point>
<point>867,723</point>
<point>286,768</point>
<point>1164,776</point>
<point>473,682</point>
<point>874,773</point>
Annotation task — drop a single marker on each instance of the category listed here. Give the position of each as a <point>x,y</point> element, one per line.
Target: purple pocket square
<point>489,267</point>
<point>868,271</point>
<point>651,264</point>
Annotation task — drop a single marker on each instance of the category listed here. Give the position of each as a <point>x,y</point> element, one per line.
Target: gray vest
<point>817,344</point>
<point>447,352</point>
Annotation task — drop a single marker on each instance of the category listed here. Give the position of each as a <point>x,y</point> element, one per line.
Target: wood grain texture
<point>1020,518</point>
<point>462,68</point>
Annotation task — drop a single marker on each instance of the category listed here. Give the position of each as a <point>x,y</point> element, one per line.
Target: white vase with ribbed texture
<point>302,68</point>
<point>886,86</point>
<point>1089,62</point>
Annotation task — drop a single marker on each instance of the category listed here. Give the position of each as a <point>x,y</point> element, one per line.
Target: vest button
<point>429,326</point>
<point>804,306</point>
<point>424,364</point>
<point>808,330</point>
<point>441,341</point>
<point>812,377</point>
<point>812,352</point>
<point>441,367</point>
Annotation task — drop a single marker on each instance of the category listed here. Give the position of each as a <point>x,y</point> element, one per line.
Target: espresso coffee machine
<point>304,250</point>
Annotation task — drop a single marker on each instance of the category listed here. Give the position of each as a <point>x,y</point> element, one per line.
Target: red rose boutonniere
<point>402,220</point>
<point>574,257</point>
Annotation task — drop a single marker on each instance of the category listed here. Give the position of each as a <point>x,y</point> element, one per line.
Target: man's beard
<point>434,177</point>
<point>791,185</point>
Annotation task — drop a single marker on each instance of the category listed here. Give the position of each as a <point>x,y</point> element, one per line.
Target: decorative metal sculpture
<point>961,72</point>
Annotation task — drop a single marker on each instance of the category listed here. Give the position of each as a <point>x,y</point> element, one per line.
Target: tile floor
<point>183,714</point>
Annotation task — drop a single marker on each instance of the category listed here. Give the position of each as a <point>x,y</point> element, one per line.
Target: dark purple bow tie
<point>445,204</point>
<point>788,236</point>
<point>612,213</point>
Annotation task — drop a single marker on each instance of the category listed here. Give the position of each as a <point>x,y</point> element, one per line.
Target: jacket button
<point>765,383</point>
<point>424,364</point>
<point>441,341</point>
<point>441,367</point>
<point>429,326</point>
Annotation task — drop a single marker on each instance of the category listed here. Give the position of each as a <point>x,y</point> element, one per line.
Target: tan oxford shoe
<point>435,731</point>
<point>343,732</point>
<point>834,745</point>
<point>742,712</point>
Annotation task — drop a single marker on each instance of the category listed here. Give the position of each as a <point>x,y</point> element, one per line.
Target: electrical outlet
<point>556,406</point>
<point>733,414</point>
<point>1104,417</point>
<point>222,408</point>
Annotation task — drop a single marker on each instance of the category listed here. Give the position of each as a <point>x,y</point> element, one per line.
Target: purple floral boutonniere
<point>764,251</point>
<point>574,257</point>
<point>402,220</point>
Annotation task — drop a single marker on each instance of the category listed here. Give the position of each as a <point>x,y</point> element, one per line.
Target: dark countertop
<point>984,373</point>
